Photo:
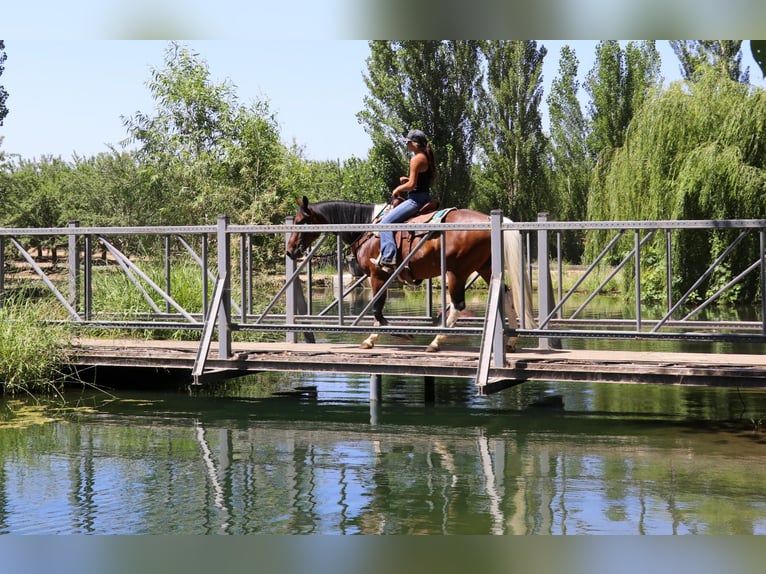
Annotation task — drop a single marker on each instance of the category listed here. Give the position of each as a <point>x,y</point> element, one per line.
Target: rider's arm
<point>418,164</point>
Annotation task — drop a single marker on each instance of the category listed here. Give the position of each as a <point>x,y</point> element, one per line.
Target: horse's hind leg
<point>457,304</point>
<point>513,319</point>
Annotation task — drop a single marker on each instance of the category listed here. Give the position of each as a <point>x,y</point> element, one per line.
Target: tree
<point>723,54</point>
<point>570,163</point>
<point>618,84</point>
<point>205,153</point>
<point>512,140</point>
<point>430,86</point>
<point>3,91</point>
<point>695,151</point>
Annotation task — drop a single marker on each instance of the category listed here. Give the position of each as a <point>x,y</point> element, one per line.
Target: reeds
<point>33,353</point>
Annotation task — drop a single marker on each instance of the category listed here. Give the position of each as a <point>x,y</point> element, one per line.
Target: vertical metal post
<point>74,266</point>
<point>763,281</point>
<point>250,274</point>
<point>376,388</point>
<point>669,270</point>
<point>339,294</point>
<point>2,270</point>
<point>224,271</point>
<point>430,298</point>
<point>87,278</point>
<point>205,289</point>
<point>429,390</point>
<point>637,250</point>
<point>544,286</point>
<point>167,272</point>
<point>498,336</point>
<point>559,262</point>
<point>243,278</point>
<point>290,293</point>
<point>443,263</point>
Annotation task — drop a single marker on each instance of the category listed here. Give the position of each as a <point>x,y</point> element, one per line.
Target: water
<point>558,458</point>
<point>308,454</point>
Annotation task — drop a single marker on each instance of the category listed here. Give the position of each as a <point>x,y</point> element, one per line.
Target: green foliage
<point>3,91</point>
<point>695,151</point>
<point>202,152</point>
<point>618,84</point>
<point>512,140</point>
<point>722,54</point>
<point>430,85</point>
<point>31,352</point>
<point>571,165</point>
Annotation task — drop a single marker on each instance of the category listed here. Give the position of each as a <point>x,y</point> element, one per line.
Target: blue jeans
<point>398,214</point>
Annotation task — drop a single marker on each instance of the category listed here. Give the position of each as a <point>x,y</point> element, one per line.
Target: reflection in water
<point>541,458</point>
<point>613,459</point>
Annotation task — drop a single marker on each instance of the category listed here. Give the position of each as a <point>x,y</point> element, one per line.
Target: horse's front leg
<point>377,309</point>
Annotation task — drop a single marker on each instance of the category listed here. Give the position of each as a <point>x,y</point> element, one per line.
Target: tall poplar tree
<point>428,85</point>
<point>725,55</point>
<point>512,139</point>
<point>570,164</point>
<point>618,84</point>
<point>3,91</point>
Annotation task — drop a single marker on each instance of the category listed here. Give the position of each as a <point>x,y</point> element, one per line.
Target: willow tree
<point>512,139</point>
<point>570,164</point>
<point>695,151</point>
<point>432,86</point>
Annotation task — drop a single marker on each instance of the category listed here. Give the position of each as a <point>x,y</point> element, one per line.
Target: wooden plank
<point>723,370</point>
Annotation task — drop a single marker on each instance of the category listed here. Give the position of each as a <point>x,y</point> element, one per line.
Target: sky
<point>69,97</point>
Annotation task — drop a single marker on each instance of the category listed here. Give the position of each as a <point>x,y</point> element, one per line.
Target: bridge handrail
<point>294,322</point>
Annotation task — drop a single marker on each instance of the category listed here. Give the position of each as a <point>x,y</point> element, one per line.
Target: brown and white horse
<point>467,251</point>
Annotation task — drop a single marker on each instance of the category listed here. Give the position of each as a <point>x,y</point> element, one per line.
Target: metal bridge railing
<point>678,319</point>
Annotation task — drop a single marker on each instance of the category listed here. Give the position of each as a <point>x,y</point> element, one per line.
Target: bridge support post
<point>74,267</point>
<point>2,270</point>
<point>376,393</point>
<point>544,286</point>
<point>224,310</point>
<point>429,389</point>
<point>498,334</point>
<point>545,296</point>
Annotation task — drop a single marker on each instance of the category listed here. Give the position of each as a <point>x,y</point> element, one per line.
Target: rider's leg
<point>401,212</point>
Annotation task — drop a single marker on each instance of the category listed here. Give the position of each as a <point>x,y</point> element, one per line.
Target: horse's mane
<point>345,212</point>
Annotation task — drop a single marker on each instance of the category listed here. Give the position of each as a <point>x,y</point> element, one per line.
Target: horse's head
<point>300,243</point>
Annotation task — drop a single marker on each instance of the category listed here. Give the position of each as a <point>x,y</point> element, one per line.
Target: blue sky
<point>69,96</point>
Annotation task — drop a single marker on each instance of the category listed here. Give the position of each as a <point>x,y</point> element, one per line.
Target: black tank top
<point>423,184</point>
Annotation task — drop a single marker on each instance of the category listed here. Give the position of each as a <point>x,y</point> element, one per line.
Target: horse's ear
<point>305,203</point>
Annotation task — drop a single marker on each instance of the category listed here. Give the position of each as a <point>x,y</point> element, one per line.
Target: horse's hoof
<point>366,345</point>
<point>432,349</point>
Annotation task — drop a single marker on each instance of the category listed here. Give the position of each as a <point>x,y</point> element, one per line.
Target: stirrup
<point>383,266</point>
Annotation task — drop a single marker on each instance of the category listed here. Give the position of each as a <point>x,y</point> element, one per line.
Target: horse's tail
<point>512,263</point>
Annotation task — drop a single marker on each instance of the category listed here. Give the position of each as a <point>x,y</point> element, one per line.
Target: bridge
<point>223,256</point>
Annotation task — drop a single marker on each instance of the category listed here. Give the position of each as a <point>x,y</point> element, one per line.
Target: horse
<point>467,252</point>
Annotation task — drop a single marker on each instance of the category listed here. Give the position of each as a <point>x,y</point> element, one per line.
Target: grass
<point>32,353</point>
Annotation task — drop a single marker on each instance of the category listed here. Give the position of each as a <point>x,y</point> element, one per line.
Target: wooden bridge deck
<point>720,370</point>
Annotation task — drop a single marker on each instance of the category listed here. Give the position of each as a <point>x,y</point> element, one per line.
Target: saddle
<point>406,239</point>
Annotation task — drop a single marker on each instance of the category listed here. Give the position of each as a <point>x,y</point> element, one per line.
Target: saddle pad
<point>433,217</point>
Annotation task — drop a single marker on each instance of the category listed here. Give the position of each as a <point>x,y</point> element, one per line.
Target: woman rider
<point>418,184</point>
